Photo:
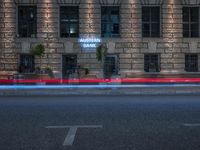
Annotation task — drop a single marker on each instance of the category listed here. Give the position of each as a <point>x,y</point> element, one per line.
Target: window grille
<point>110,21</point>
<point>151,21</point>
<point>191,62</point>
<point>27,64</point>
<point>152,62</point>
<point>27,21</point>
<point>190,22</point>
<point>69,21</point>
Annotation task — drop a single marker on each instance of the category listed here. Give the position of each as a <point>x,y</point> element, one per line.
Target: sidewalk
<point>103,89</point>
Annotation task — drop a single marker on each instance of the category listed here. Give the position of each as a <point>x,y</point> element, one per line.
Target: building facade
<point>141,36</point>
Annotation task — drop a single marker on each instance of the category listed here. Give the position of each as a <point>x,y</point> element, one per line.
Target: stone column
<point>89,26</point>
<point>131,60</point>
<point>8,53</point>
<point>48,28</point>
<point>172,60</point>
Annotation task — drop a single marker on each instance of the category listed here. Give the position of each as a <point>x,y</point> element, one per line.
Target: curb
<point>73,90</point>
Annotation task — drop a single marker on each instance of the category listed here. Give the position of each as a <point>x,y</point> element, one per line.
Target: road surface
<point>100,123</point>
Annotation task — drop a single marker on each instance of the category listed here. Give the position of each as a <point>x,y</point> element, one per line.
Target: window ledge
<point>194,39</point>
<point>148,39</point>
<point>26,37</point>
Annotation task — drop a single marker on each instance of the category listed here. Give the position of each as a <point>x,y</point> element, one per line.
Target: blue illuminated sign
<point>89,42</point>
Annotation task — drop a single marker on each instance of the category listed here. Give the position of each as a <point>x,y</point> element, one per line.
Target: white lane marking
<point>70,136</point>
<point>79,126</point>
<point>72,132</point>
<point>191,124</point>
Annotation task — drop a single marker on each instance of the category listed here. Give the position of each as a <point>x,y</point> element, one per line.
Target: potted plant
<point>49,71</point>
<point>39,50</point>
<point>100,55</point>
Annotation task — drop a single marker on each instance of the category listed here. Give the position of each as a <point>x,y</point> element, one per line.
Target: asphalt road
<point>100,123</point>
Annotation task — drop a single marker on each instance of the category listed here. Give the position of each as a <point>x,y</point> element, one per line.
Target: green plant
<point>38,50</point>
<point>48,68</point>
<point>101,52</point>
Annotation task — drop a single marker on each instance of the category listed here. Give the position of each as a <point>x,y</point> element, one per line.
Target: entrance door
<point>69,65</point>
<point>110,65</point>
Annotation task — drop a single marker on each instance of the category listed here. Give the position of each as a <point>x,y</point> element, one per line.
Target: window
<point>151,21</point>
<point>69,21</point>
<point>110,21</point>
<point>191,62</point>
<point>27,64</point>
<point>27,21</point>
<point>152,62</point>
<point>190,22</point>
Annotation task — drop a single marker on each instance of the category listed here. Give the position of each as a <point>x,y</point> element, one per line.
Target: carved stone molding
<point>76,2</point>
<point>110,2</point>
<point>26,1</point>
<point>190,2</point>
<point>151,2</point>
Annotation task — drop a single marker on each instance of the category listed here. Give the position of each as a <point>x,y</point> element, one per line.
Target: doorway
<point>69,65</point>
<point>110,65</point>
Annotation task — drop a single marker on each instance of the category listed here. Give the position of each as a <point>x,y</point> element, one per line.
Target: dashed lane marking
<point>191,124</point>
<point>72,132</point>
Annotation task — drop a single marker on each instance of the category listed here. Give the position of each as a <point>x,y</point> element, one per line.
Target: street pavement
<point>100,123</point>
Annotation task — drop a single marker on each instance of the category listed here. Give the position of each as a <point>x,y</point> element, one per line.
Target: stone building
<point>142,36</point>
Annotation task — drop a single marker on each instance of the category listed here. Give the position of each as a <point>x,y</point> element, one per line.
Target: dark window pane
<point>155,14</point>
<point>69,21</point>
<point>145,30</point>
<point>186,31</point>
<point>186,14</point>
<point>115,29</point>
<point>105,30</point>
<point>110,21</point>
<point>194,12</point>
<point>155,30</point>
<point>194,30</point>
<point>145,14</point>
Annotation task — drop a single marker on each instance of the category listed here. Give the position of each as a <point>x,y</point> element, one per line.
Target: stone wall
<point>131,47</point>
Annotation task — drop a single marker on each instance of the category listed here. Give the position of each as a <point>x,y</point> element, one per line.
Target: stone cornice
<point>25,1</point>
<point>73,2</point>
<point>190,2</point>
<point>110,2</point>
<point>151,2</point>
